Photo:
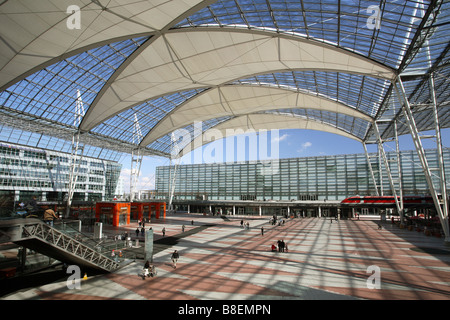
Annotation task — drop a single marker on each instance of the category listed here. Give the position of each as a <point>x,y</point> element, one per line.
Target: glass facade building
<point>27,172</point>
<point>311,178</point>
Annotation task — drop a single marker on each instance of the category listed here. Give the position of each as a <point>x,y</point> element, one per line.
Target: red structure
<point>113,213</point>
<point>121,213</point>
<point>160,208</point>
<point>388,201</point>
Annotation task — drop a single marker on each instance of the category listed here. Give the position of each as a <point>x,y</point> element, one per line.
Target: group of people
<point>142,222</point>
<point>150,269</point>
<point>280,247</point>
<point>273,221</point>
<point>245,225</point>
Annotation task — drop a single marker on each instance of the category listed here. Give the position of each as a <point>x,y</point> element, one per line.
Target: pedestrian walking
<point>164,231</point>
<point>49,216</point>
<point>182,228</point>
<point>281,246</point>
<point>175,257</point>
<point>262,231</point>
<point>137,232</point>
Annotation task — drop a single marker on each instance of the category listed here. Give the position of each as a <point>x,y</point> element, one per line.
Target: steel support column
<point>441,206</point>
<point>136,158</point>
<point>371,169</point>
<point>388,171</point>
<point>443,187</point>
<point>77,152</point>
<point>173,177</point>
<point>399,168</point>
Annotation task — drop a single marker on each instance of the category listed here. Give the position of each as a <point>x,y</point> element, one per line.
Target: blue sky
<point>291,144</point>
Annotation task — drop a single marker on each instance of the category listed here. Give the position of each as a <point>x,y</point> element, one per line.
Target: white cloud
<point>279,139</point>
<point>144,182</point>
<point>304,146</point>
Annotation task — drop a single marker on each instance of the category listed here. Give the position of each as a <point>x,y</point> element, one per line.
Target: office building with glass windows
<point>26,172</point>
<point>321,178</point>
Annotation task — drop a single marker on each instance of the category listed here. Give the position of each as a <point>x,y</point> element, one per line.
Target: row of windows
<point>40,155</point>
<point>347,174</point>
<point>46,184</point>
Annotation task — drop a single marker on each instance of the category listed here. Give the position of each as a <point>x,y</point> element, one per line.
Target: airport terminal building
<point>312,181</point>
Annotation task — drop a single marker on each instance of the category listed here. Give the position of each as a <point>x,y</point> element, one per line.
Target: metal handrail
<point>105,246</point>
<point>80,246</point>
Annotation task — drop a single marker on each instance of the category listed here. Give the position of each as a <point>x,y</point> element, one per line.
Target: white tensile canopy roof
<point>257,64</point>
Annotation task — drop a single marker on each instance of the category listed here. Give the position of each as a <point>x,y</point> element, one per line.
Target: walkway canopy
<point>326,65</point>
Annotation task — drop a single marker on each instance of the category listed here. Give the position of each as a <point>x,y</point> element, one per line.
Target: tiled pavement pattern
<point>326,260</point>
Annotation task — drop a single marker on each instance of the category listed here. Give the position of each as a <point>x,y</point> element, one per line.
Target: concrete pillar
<point>98,230</point>
<point>148,247</point>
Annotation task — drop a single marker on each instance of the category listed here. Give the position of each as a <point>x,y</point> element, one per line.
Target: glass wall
<point>36,172</point>
<point>311,178</point>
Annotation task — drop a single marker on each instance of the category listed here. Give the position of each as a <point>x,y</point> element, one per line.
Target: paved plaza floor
<point>346,260</point>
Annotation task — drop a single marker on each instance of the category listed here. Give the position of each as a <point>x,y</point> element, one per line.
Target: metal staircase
<point>61,242</point>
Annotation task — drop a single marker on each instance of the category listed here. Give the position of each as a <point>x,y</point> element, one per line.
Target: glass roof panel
<point>48,96</point>
<point>354,126</point>
<point>51,93</point>
<point>348,25</point>
<point>164,144</point>
<point>148,115</point>
<point>360,92</point>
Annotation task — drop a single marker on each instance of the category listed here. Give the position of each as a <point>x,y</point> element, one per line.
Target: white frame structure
<point>440,200</point>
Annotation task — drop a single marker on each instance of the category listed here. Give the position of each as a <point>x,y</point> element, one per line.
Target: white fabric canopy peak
<point>170,63</point>
<point>35,33</point>
<point>182,60</point>
<point>241,100</point>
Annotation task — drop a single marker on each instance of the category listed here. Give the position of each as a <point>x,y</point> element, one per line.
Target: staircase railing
<point>74,243</point>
